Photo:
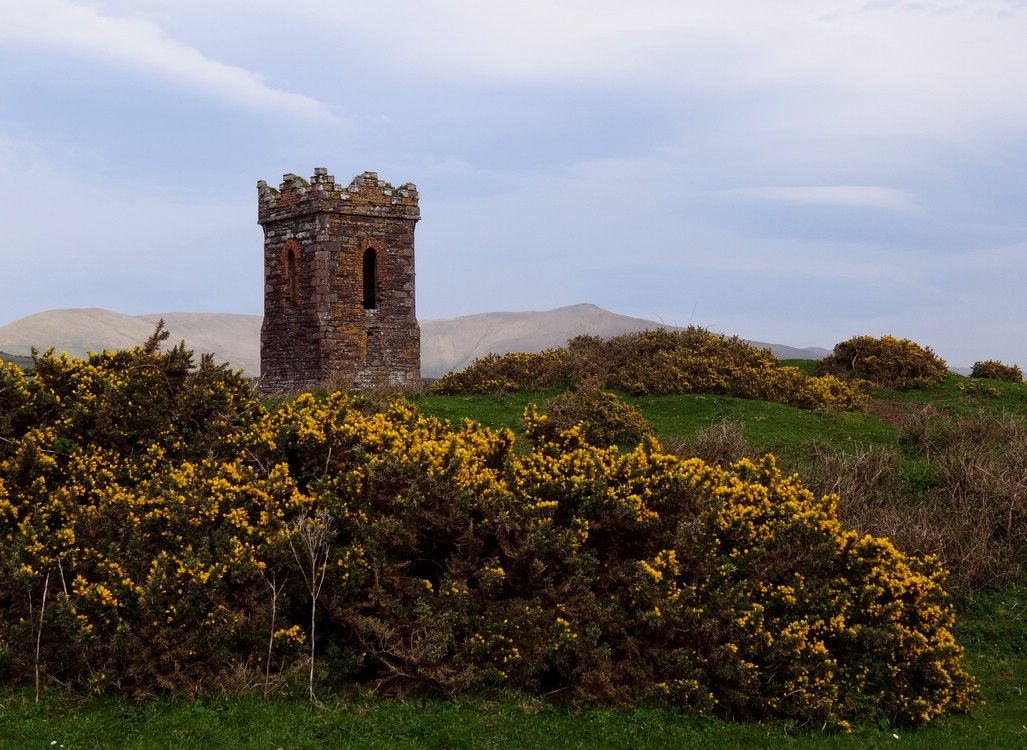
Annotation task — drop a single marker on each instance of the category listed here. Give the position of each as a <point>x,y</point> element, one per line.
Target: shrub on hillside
<point>602,417</point>
<point>995,370</point>
<point>128,401</point>
<point>790,385</point>
<point>720,444</point>
<point>14,397</point>
<point>886,362</point>
<point>658,362</point>
<point>123,497</point>
<point>507,372</point>
<point>957,491</point>
<point>977,389</point>
<point>663,361</point>
<point>976,503</point>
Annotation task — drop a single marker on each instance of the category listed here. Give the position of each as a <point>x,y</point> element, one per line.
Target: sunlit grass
<point>506,722</point>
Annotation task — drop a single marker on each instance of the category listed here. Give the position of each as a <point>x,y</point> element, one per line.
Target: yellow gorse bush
<point>992,368</point>
<point>658,362</point>
<point>886,362</point>
<point>157,537</point>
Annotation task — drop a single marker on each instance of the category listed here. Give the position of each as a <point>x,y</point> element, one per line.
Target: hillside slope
<point>75,331</point>
<point>232,338</point>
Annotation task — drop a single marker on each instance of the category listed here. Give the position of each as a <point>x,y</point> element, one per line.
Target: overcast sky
<point>796,172</point>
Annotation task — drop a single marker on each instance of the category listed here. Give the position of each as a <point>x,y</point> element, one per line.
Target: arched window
<point>292,277</point>
<point>370,279</point>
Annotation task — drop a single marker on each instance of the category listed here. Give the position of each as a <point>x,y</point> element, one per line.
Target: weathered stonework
<point>338,283</point>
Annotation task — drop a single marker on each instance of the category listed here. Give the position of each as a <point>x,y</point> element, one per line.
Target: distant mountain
<point>447,344</point>
<point>453,343</point>
<point>74,331</point>
<point>15,359</point>
<point>232,338</point>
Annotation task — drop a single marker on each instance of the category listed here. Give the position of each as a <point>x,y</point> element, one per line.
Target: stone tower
<point>338,283</point>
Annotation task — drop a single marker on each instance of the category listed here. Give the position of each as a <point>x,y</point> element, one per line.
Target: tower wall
<point>324,322</point>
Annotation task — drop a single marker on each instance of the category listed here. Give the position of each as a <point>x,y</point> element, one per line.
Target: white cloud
<point>941,68</point>
<point>551,40</point>
<point>849,196</point>
<point>141,44</point>
<point>840,67</point>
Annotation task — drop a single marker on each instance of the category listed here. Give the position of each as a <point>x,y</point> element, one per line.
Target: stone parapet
<point>366,195</point>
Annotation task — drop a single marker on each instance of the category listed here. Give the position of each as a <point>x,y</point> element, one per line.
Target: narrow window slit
<point>370,279</point>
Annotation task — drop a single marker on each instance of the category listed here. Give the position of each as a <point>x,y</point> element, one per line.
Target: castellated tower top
<point>366,195</point>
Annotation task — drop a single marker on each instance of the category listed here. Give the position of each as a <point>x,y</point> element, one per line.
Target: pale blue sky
<point>796,172</point>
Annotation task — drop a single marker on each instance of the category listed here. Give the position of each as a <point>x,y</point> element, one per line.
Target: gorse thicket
<point>886,362</point>
<point>996,370</point>
<point>658,362</point>
<point>150,514</point>
<point>604,419</point>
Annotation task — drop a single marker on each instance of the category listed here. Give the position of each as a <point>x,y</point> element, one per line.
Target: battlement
<point>366,195</point>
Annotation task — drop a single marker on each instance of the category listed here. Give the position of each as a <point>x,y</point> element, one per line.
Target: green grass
<point>495,410</point>
<point>962,396</point>
<point>786,431</point>
<point>771,427</point>
<point>993,630</point>
<point>768,426</point>
<point>510,722</point>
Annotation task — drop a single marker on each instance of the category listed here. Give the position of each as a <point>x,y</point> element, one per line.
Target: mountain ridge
<point>446,343</point>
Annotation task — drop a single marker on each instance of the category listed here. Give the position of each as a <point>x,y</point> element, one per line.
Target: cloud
<point>945,69</point>
<point>536,40</point>
<point>849,196</point>
<point>140,44</point>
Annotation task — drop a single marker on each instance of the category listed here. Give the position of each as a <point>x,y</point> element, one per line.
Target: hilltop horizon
<point>446,343</point>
